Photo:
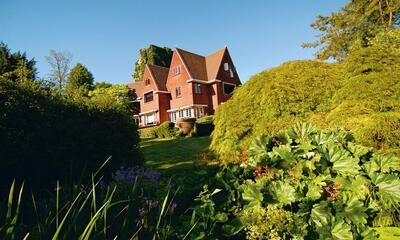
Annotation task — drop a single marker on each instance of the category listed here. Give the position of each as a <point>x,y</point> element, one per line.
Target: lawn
<point>187,161</point>
<point>176,155</point>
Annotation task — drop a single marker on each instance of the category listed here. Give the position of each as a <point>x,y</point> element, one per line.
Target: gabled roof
<point>213,62</point>
<point>160,75</point>
<point>200,67</point>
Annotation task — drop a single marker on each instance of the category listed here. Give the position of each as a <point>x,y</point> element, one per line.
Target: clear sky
<point>106,35</point>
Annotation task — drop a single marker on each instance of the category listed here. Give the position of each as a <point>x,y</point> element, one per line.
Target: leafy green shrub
<point>203,126</point>
<point>361,93</point>
<point>164,130</point>
<point>45,137</point>
<point>270,101</point>
<point>306,183</point>
<point>148,132</point>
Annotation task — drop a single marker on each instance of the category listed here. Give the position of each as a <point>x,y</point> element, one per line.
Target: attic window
<point>226,67</point>
<point>147,82</point>
<point>176,70</point>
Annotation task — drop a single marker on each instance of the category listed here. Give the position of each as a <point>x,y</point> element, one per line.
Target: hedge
<point>45,137</point>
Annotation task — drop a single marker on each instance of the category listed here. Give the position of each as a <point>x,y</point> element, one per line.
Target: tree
<point>355,24</point>
<point>109,96</point>
<point>59,63</point>
<point>79,81</point>
<point>152,55</point>
<point>15,66</point>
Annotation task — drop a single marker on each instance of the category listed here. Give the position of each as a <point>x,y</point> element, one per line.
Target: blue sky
<point>106,35</point>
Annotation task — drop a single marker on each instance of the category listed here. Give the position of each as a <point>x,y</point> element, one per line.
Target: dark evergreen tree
<point>12,65</point>
<point>79,81</point>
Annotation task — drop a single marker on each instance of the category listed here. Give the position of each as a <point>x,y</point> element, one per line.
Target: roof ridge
<point>180,49</point>
<point>154,65</point>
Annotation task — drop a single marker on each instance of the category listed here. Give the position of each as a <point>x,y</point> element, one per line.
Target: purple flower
<point>173,207</point>
<point>142,212</point>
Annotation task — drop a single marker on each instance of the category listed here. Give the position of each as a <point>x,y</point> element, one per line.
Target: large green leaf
<point>258,150</point>
<point>343,162</point>
<point>354,210</point>
<point>358,150</point>
<point>251,193</point>
<point>320,214</point>
<point>388,188</point>
<point>283,192</point>
<point>341,231</point>
<point>303,130</point>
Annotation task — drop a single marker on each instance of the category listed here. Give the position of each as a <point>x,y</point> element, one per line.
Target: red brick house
<point>192,87</point>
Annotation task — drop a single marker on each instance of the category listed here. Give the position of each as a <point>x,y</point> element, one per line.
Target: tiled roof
<point>200,67</point>
<point>160,75</point>
<point>213,62</point>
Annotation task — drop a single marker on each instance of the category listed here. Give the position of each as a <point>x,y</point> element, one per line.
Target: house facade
<point>192,87</point>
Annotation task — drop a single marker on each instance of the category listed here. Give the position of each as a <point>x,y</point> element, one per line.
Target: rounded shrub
<point>272,100</point>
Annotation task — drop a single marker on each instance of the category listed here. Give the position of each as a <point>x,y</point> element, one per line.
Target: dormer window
<point>176,70</point>
<point>226,67</point>
<point>147,82</point>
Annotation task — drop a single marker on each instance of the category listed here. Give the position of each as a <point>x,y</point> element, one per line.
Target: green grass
<point>187,161</point>
<point>176,155</point>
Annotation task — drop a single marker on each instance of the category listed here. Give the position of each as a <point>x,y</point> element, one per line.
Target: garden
<point>309,149</point>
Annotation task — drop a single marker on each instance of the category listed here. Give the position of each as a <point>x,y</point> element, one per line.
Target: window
<point>188,112</point>
<point>151,119</point>
<point>176,70</point>
<point>148,97</point>
<point>226,67</point>
<point>147,82</point>
<point>197,88</point>
<point>198,112</point>
<point>178,92</point>
<point>228,88</point>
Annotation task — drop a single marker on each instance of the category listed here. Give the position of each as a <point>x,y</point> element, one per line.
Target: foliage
<point>272,100</point>
<point>110,96</point>
<point>355,24</point>
<point>56,138</point>
<point>79,81</point>
<point>361,94</point>
<point>306,183</point>
<point>152,55</point>
<point>15,66</point>
<point>164,130</point>
<point>203,126</point>
<point>126,207</point>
